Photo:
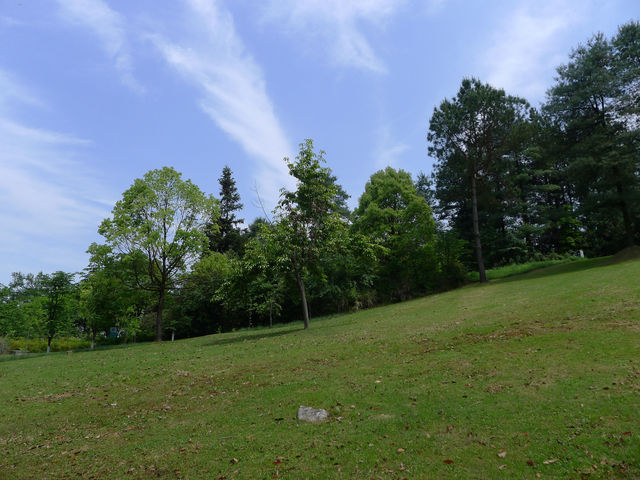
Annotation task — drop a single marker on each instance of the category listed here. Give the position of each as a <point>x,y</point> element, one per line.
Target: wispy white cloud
<point>12,91</point>
<point>48,206</point>
<point>388,152</point>
<point>434,7</point>
<point>338,24</point>
<point>109,27</point>
<point>9,22</point>
<point>527,47</point>
<point>233,89</point>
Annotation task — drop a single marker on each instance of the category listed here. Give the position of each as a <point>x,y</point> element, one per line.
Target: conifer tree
<point>228,237</point>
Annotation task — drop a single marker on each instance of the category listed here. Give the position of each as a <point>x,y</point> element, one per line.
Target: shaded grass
<point>544,367</point>
<point>517,269</point>
<point>38,345</point>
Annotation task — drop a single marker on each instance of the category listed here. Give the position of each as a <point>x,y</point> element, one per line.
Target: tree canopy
<point>468,135</point>
<point>162,218</point>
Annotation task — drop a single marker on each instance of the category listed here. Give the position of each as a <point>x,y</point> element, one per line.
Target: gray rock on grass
<point>313,415</point>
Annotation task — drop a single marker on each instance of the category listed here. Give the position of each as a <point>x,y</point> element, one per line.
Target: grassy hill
<point>531,376</point>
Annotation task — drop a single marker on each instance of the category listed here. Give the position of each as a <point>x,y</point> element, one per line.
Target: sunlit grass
<point>531,374</point>
<point>517,269</point>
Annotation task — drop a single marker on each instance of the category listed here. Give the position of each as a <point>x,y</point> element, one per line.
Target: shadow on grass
<point>243,337</point>
<point>74,351</point>
<point>561,269</point>
<point>627,255</point>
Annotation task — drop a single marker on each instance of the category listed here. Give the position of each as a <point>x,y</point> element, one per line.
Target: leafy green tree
<point>468,136</point>
<point>347,273</point>
<point>12,317</point>
<point>255,287</point>
<point>265,281</point>
<point>163,219</point>
<point>255,227</point>
<point>449,251</point>
<point>57,291</point>
<point>108,294</point>
<point>196,302</point>
<point>227,236</point>
<point>22,312</point>
<point>6,311</point>
<point>394,215</point>
<point>307,218</point>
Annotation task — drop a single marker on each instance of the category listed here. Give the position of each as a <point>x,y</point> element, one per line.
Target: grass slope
<point>530,376</point>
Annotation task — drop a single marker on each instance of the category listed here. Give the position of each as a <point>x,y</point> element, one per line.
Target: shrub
<point>37,345</point>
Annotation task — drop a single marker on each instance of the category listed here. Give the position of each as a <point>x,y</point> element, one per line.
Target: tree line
<point>511,183</point>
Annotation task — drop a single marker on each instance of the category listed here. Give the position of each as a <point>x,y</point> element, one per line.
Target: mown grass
<point>518,269</point>
<point>532,376</point>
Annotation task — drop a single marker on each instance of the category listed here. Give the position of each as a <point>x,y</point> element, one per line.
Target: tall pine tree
<point>228,237</point>
<point>593,102</point>
<point>472,137</point>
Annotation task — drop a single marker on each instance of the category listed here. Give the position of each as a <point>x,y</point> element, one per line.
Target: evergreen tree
<point>228,236</point>
<point>472,137</point>
<point>594,106</point>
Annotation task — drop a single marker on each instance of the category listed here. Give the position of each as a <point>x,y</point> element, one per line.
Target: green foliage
<point>197,310</point>
<point>308,218</point>
<point>450,251</point>
<point>474,137</point>
<point>224,233</point>
<point>392,214</point>
<point>21,307</point>
<point>39,345</point>
<point>594,104</point>
<point>58,303</point>
<point>255,287</point>
<point>163,218</point>
<point>108,293</point>
<point>513,184</point>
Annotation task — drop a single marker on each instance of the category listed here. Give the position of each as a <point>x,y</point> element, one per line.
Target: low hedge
<point>36,345</point>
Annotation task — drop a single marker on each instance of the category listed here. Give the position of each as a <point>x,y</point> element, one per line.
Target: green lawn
<point>531,376</point>
<point>517,269</point>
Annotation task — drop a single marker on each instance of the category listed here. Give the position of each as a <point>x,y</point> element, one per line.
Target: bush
<point>37,345</point>
<point>4,346</point>
<point>452,276</point>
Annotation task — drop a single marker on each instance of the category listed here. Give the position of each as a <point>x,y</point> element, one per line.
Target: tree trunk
<point>173,335</point>
<point>476,230</point>
<point>626,216</point>
<point>93,339</point>
<point>159,314</point>
<point>270,312</point>
<point>303,295</point>
<point>49,344</point>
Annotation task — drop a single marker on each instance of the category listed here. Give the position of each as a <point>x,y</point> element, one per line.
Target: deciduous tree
<point>394,215</point>
<point>308,217</point>
<point>163,218</point>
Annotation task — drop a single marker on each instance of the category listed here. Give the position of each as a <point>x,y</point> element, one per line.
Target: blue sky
<point>94,93</point>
